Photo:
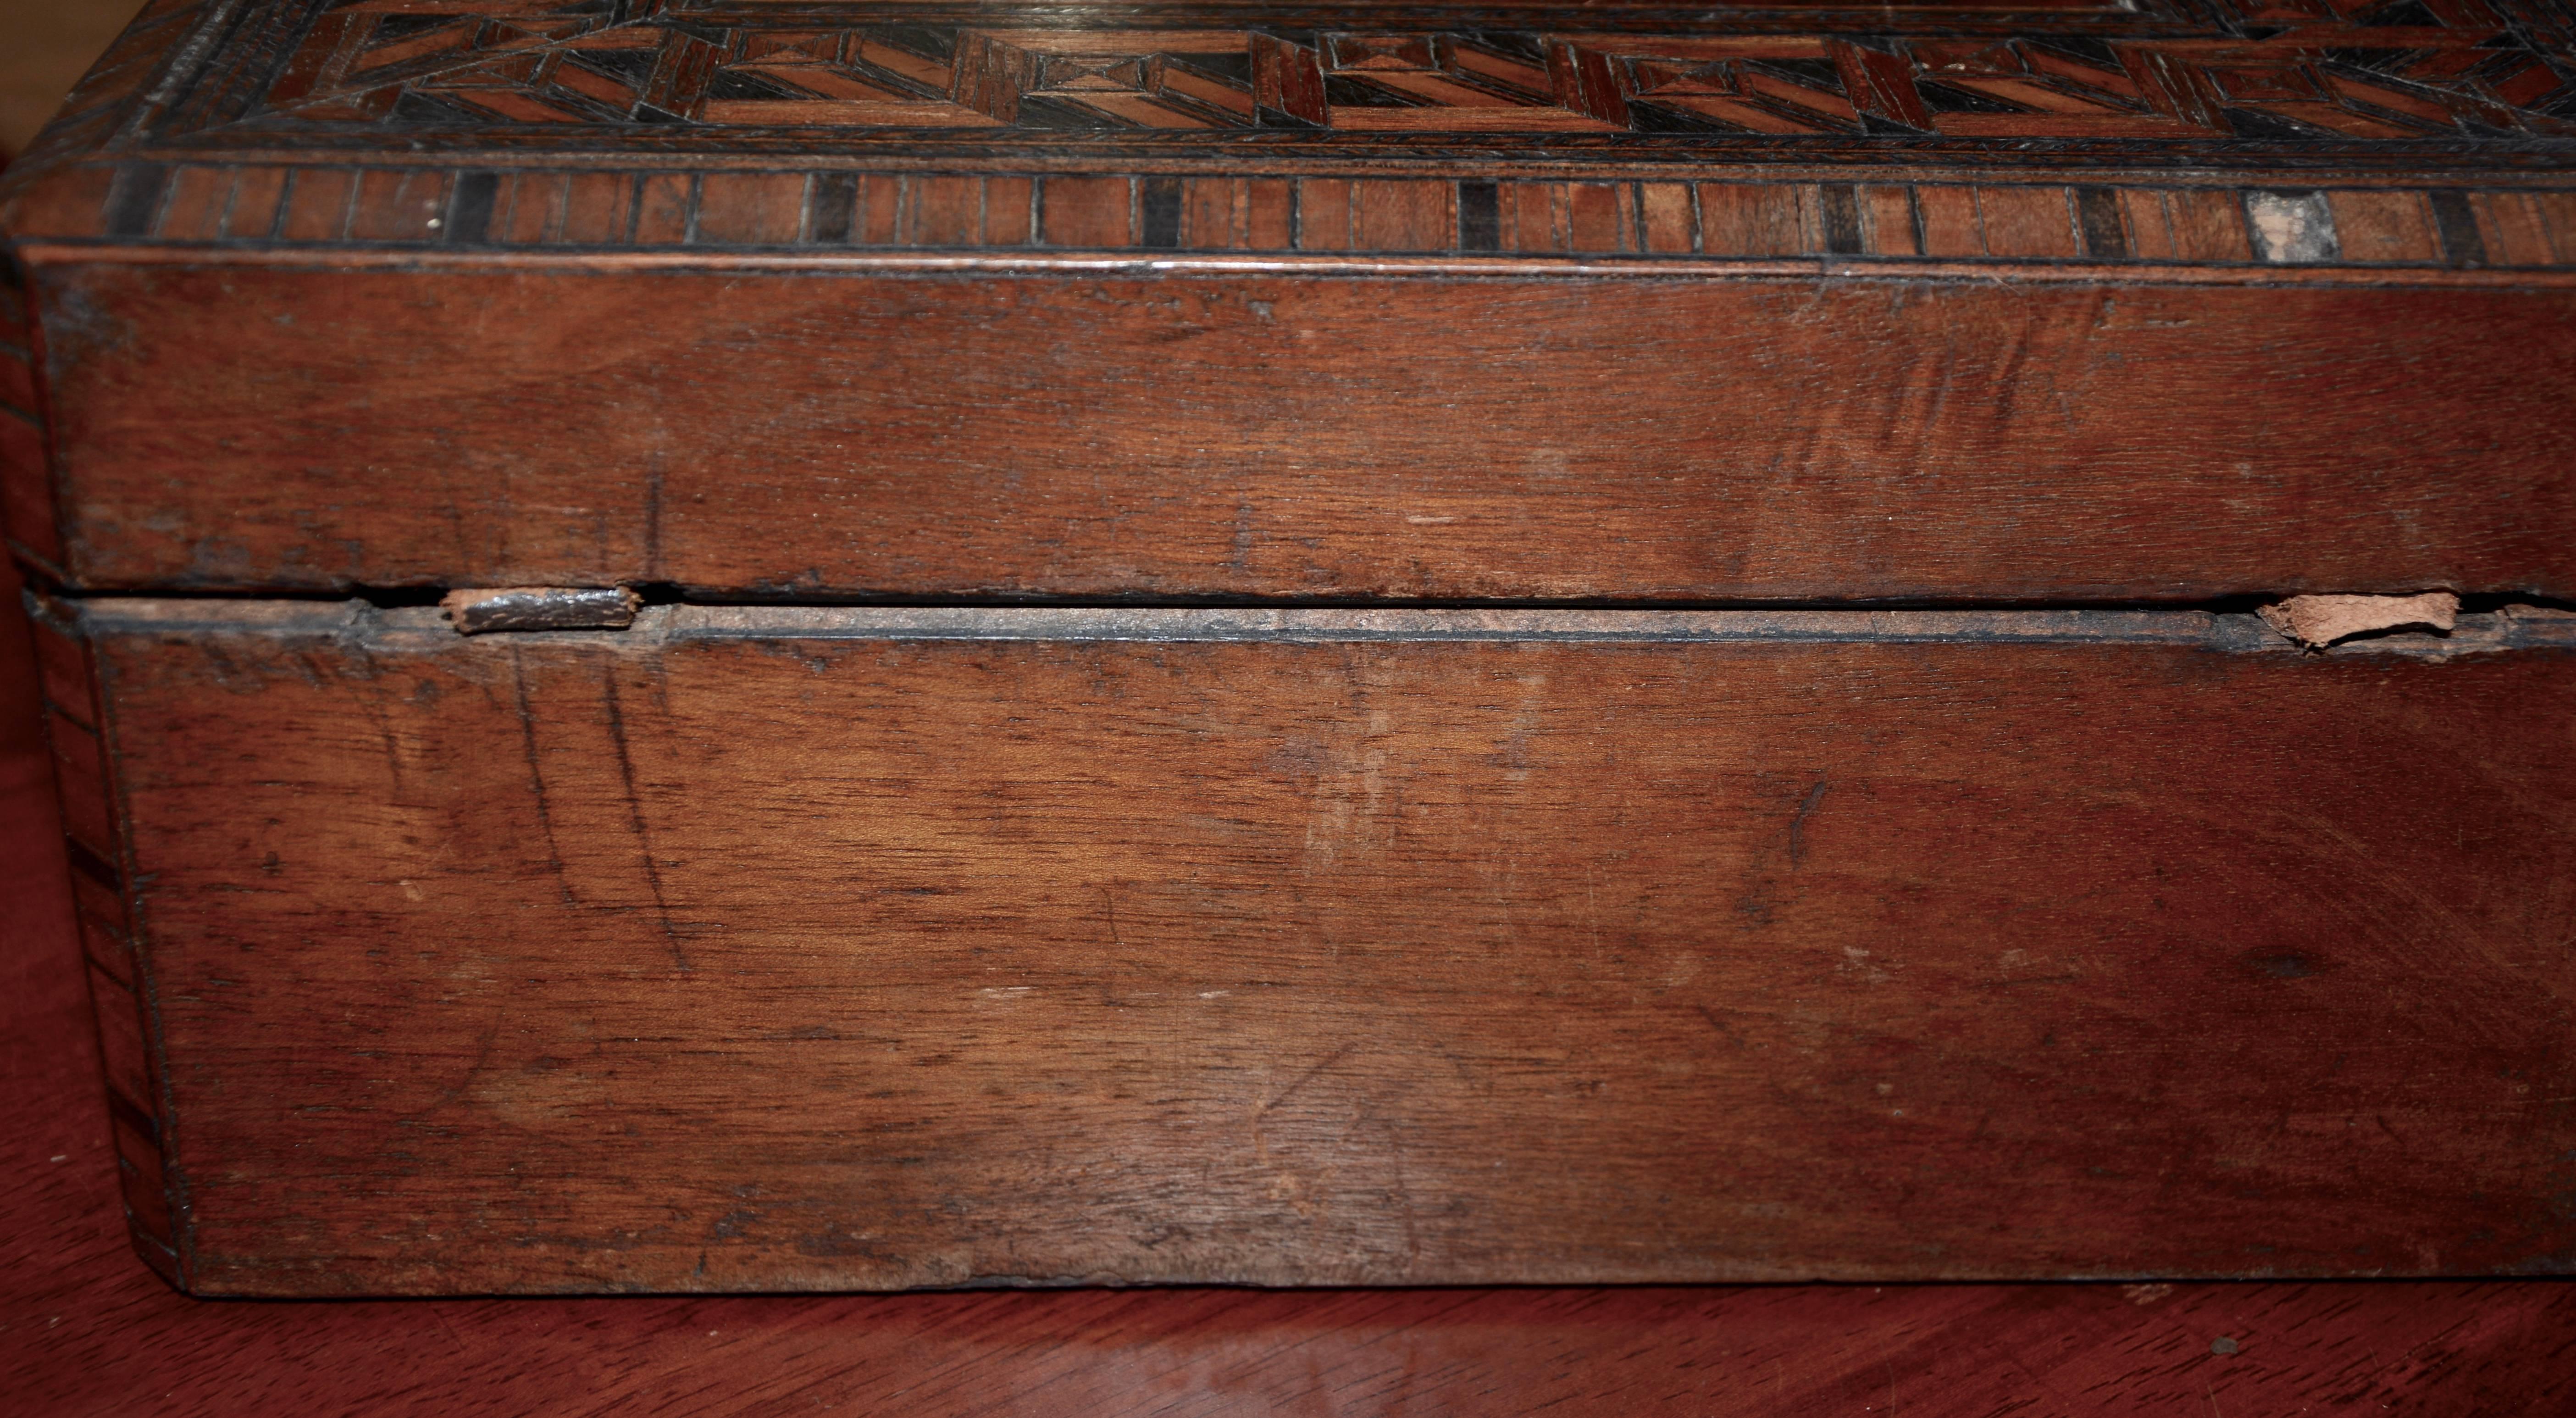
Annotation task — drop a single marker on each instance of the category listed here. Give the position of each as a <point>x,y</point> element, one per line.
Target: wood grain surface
<point>86,1330</point>
<point>780,435</point>
<point>767,950</point>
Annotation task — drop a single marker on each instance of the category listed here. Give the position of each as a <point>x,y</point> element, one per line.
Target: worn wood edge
<point>1174,624</point>
<point>427,627</point>
<point>54,253</point>
<point>79,729</point>
<point>2537,172</point>
<point>1781,1278</point>
<point>30,509</point>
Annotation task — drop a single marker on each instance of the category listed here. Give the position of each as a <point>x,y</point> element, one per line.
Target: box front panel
<point>758,958</point>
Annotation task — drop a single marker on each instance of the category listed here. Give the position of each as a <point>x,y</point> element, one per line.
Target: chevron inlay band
<point>2218,72</point>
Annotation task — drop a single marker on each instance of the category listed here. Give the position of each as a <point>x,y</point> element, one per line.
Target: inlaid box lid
<point>1485,300</point>
<point>789,124</point>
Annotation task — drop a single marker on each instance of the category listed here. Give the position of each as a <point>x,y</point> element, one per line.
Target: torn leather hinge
<point>475,612</point>
<point>2319,621</point>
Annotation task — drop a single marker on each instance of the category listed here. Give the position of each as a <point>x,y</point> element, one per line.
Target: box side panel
<point>603,962</point>
<point>119,987</point>
<point>1267,436</point>
<point>26,481</point>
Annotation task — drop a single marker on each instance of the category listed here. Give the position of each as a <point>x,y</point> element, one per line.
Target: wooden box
<point>1235,642</point>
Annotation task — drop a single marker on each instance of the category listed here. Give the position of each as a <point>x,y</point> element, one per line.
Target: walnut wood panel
<point>84,1330</point>
<point>758,950</point>
<point>1279,435</point>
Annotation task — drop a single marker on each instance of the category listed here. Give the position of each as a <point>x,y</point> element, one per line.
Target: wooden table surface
<point>84,1328</point>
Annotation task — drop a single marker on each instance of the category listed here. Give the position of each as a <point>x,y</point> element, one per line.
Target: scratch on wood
<point>537,775</point>
<point>1720,1025</point>
<point>1305,1078</point>
<point>372,705</point>
<point>1798,824</point>
<point>635,813</point>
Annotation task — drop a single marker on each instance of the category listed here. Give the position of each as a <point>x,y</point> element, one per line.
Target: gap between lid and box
<point>2436,625</point>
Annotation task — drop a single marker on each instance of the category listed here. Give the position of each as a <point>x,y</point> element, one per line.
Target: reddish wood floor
<point>85,1329</point>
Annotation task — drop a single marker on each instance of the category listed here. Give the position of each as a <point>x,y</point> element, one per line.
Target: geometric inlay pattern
<point>2302,70</point>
